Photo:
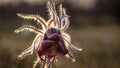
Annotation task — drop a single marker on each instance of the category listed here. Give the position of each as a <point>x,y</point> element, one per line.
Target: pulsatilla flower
<point>51,40</point>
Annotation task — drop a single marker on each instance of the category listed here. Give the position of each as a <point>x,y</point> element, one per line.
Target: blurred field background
<point>95,27</point>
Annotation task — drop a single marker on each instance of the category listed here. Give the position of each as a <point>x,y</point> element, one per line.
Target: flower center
<point>52,48</point>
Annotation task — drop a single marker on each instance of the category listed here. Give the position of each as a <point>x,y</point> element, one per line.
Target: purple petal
<point>44,45</point>
<point>55,37</point>
<point>63,49</point>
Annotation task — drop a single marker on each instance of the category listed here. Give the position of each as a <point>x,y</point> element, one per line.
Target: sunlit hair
<point>58,21</point>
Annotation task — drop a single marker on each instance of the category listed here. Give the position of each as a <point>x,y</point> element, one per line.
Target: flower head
<point>52,45</point>
<point>51,40</point>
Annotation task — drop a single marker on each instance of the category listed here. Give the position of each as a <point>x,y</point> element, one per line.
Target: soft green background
<point>94,28</point>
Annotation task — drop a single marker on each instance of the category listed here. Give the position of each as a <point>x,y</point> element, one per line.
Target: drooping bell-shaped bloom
<point>52,45</point>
